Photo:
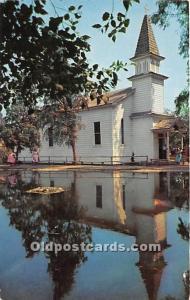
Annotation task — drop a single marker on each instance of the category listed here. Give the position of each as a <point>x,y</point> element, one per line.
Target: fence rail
<point>110,160</point>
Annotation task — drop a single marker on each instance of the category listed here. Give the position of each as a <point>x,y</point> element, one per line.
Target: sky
<point>104,51</point>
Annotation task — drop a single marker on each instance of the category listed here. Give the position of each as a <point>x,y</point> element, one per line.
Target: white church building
<point>132,121</point>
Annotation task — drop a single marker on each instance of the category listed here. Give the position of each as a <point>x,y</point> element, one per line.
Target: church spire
<point>147,80</point>
<point>146,42</point>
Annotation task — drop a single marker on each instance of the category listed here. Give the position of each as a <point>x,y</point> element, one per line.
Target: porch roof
<point>170,124</point>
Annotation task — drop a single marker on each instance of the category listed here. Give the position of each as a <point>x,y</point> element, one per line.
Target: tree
<point>20,130</point>
<point>114,22</point>
<point>179,10</point>
<point>182,104</point>
<point>63,123</point>
<point>44,57</point>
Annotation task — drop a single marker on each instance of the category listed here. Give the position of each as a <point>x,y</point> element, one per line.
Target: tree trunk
<point>17,153</point>
<point>73,145</point>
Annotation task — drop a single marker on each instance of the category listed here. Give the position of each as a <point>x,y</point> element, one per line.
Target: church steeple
<point>147,81</point>
<point>147,57</point>
<point>146,42</point>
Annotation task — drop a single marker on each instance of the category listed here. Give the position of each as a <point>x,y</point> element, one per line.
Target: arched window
<point>147,66</point>
<point>139,68</point>
<point>144,67</point>
<point>153,65</point>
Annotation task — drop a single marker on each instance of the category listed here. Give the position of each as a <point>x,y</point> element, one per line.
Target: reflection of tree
<point>180,190</point>
<point>180,198</point>
<point>50,218</point>
<point>183,230</point>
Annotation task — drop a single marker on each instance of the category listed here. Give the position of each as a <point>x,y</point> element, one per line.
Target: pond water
<point>99,208</point>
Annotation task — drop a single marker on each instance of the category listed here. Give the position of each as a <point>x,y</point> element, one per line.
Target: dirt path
<point>89,168</point>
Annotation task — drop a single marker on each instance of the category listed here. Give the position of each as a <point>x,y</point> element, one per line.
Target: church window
<point>52,183</point>
<point>97,133</point>
<point>122,131</point>
<point>144,67</point>
<point>153,65</point>
<point>147,66</point>
<point>139,68</point>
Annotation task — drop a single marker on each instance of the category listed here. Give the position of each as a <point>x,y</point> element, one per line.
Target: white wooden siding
<point>128,106</point>
<point>143,139</point>
<point>158,96</point>
<point>118,115</point>
<point>86,141</point>
<point>143,98</point>
<point>85,146</point>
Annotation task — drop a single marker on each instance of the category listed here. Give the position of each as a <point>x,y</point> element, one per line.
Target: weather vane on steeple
<point>146,9</point>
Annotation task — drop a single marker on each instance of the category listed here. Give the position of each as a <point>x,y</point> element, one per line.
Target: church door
<point>162,148</point>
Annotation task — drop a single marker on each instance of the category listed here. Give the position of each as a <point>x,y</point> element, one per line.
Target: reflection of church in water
<point>137,205</point>
<point>133,203</point>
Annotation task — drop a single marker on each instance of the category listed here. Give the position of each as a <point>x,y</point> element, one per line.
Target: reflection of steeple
<point>152,278</point>
<point>151,264</point>
<point>150,223</point>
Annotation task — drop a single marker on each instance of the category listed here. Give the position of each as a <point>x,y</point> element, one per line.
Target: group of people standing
<point>11,159</point>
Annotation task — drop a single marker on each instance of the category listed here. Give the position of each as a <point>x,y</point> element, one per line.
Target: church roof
<point>110,98</point>
<point>146,42</point>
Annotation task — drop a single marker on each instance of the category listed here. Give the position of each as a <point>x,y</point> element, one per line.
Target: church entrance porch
<point>170,134</point>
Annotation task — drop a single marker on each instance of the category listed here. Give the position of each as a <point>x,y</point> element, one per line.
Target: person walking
<point>133,157</point>
<point>35,156</point>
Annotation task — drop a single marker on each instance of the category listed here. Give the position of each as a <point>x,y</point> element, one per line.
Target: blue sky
<point>104,51</point>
